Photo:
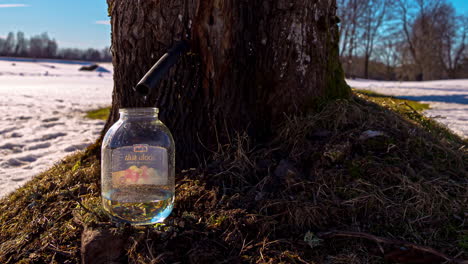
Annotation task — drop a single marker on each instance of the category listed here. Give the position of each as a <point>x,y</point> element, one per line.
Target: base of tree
<point>375,177</point>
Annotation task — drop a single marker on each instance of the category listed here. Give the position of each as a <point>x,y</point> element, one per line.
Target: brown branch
<point>403,252</point>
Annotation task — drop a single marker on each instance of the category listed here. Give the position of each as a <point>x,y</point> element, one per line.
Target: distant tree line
<point>403,39</point>
<point>42,46</point>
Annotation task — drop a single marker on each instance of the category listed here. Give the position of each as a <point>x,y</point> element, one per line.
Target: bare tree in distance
<point>388,53</point>
<point>360,28</point>
<point>404,39</point>
<point>452,30</point>
<point>375,12</point>
<point>349,12</point>
<point>41,46</point>
<point>415,21</point>
<point>9,45</point>
<point>439,39</point>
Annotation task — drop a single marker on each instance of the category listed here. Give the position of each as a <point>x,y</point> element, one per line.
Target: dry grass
<point>37,220</point>
<point>269,203</point>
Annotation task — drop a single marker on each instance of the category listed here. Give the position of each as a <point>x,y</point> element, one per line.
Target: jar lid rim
<point>139,110</point>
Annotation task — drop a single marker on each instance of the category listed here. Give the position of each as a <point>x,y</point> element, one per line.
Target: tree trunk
<point>366,66</point>
<point>251,62</point>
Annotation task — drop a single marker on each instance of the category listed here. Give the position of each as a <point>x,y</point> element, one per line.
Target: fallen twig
<point>402,251</point>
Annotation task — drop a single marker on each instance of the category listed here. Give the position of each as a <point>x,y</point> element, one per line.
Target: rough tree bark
<point>251,62</point>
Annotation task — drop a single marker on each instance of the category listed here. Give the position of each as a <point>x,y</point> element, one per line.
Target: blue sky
<point>461,6</point>
<point>75,23</point>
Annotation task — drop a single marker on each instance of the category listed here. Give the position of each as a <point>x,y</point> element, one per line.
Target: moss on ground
<point>405,180</point>
<point>397,104</point>
<point>101,113</point>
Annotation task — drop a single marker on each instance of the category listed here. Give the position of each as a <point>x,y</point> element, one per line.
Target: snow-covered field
<point>448,99</point>
<point>42,109</point>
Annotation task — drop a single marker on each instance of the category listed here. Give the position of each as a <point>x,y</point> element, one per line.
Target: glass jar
<point>138,168</point>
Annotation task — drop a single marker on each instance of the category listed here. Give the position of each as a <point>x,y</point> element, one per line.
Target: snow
<point>448,99</point>
<point>42,106</point>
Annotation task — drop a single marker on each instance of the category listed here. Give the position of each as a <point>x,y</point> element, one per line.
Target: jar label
<point>139,164</point>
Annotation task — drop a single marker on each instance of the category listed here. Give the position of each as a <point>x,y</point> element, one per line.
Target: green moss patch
<point>354,166</point>
<point>397,103</point>
<point>101,113</point>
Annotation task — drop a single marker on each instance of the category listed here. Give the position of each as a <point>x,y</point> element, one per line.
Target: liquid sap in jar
<point>138,168</point>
